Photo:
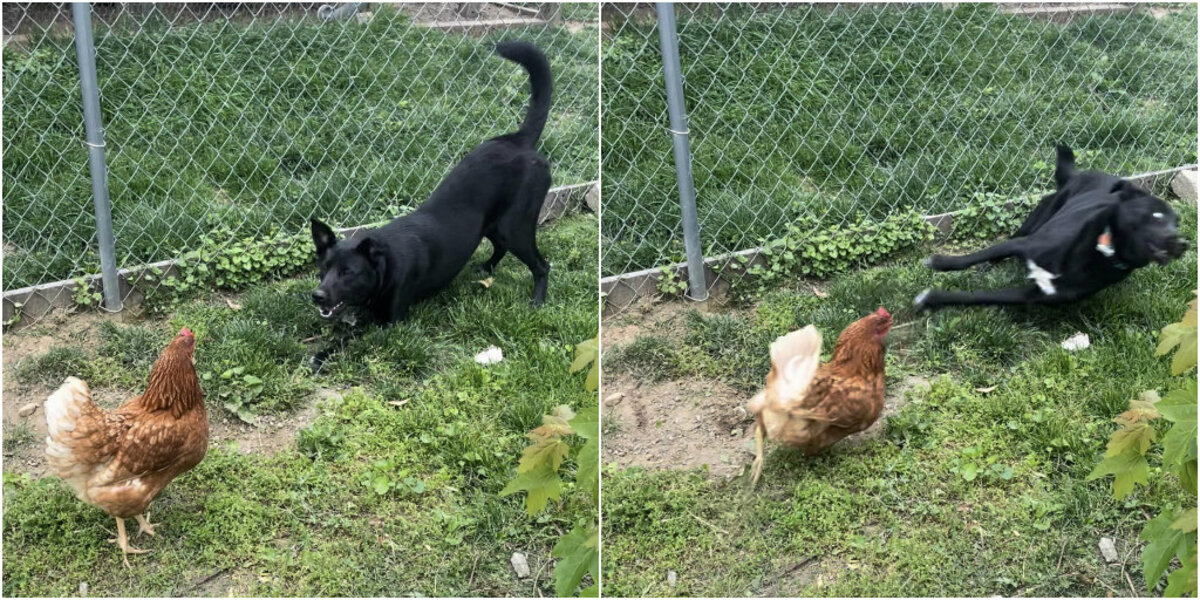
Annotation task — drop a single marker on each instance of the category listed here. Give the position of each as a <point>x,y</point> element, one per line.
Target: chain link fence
<point>228,121</point>
<point>829,114</point>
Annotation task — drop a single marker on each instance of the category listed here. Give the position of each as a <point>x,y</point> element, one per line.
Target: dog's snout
<point>319,296</point>
<point>1176,246</point>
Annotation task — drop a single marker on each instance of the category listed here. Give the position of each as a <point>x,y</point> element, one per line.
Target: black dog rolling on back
<point>1092,232</point>
<point>496,192</point>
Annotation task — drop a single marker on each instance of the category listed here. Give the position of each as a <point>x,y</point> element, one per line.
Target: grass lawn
<point>901,513</point>
<point>849,111</point>
<point>390,488</point>
<point>259,126</point>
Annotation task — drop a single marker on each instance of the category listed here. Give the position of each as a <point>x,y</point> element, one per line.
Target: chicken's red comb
<point>883,313</point>
<point>186,332</point>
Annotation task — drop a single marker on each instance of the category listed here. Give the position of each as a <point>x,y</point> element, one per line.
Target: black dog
<point>496,192</point>
<point>1092,232</point>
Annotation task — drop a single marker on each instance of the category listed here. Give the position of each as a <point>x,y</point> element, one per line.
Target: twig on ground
<point>710,525</point>
<point>214,575</point>
<point>1129,580</point>
<point>471,579</point>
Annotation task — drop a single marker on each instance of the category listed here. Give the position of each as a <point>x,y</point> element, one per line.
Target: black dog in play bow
<point>1092,232</point>
<point>496,192</point>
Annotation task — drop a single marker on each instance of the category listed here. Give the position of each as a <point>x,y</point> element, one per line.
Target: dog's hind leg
<point>524,247</point>
<point>935,299</point>
<point>939,262</point>
<point>498,251</point>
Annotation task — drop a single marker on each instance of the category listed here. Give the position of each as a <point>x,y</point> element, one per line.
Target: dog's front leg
<point>396,310</point>
<point>935,299</point>
<point>939,262</point>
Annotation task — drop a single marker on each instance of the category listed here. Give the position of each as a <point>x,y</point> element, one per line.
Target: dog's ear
<point>1126,190</point>
<point>372,250</point>
<point>323,237</point>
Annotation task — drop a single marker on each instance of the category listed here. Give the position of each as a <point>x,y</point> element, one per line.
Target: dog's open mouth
<point>1161,256</point>
<point>329,312</point>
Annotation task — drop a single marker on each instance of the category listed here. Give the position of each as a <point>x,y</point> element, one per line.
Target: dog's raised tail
<point>1064,164</point>
<point>529,56</point>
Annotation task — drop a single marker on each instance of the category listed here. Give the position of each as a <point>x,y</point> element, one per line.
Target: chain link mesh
<point>845,112</point>
<point>246,120</point>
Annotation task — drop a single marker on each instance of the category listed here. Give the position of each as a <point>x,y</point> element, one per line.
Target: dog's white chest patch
<point>1042,277</point>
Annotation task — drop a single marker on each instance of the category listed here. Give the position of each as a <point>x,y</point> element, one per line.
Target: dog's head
<point>1145,228</point>
<point>351,270</point>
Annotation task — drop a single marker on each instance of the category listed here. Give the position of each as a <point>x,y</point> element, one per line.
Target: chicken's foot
<point>756,468</point>
<point>145,526</point>
<point>122,541</point>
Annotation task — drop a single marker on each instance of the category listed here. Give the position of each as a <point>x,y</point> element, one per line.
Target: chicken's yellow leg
<point>123,541</point>
<point>145,526</point>
<point>756,468</point>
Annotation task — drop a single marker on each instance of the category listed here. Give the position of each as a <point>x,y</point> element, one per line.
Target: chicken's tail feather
<point>63,409</point>
<point>795,358</point>
<point>64,406</point>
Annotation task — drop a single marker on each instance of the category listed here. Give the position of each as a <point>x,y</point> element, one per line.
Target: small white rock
<point>520,565</point>
<point>28,409</point>
<point>1108,550</point>
<point>489,356</point>
<point>672,578</point>
<point>1079,341</point>
<point>614,399</point>
<point>83,589</point>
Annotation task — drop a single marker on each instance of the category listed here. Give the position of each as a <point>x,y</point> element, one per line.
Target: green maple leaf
<point>1127,469</point>
<point>1183,336</point>
<point>1179,407</point>
<point>587,474</point>
<point>542,484</point>
<point>1186,473</point>
<point>549,452</point>
<point>1134,438</point>
<point>1163,544</point>
<point>586,423</point>
<point>1183,581</point>
<point>578,553</point>
<point>1186,521</point>
<point>586,353</point>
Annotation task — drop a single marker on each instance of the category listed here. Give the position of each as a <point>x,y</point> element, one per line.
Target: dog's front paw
<point>937,262</point>
<point>922,301</point>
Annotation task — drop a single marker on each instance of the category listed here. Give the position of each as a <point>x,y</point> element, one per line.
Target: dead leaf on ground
<point>487,283</point>
<point>986,390</point>
<point>398,403</point>
<point>818,293</point>
<point>233,305</point>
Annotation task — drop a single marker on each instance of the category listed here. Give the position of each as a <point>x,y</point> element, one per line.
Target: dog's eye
<point>1157,216</point>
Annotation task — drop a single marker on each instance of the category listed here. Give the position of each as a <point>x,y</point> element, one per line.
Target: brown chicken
<point>809,405</point>
<point>120,460</point>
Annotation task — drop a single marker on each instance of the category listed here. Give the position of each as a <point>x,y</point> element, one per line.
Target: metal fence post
<point>673,78</point>
<point>86,51</point>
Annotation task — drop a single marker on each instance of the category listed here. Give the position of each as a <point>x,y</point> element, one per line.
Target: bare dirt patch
<point>679,424</point>
<point>24,435</point>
